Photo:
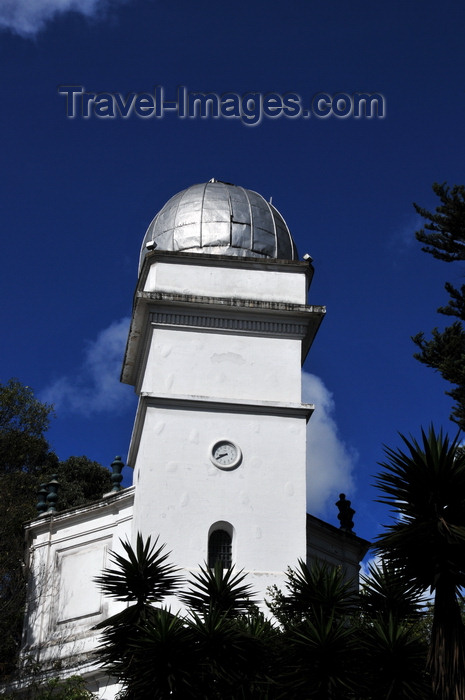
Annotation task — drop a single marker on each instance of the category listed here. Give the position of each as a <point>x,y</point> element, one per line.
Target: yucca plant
<point>318,656</point>
<point>384,592</point>
<point>164,660</point>
<point>238,648</point>
<point>315,590</point>
<point>142,578</point>
<point>320,662</point>
<point>425,487</point>
<point>220,589</point>
<point>393,656</point>
<point>238,656</point>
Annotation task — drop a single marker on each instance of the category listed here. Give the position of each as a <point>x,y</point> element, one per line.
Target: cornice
<point>229,315</point>
<point>208,403</point>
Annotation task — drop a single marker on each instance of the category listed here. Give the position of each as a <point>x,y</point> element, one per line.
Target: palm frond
<point>385,592</point>
<point>312,589</point>
<point>321,659</point>
<point>397,656</point>
<point>219,589</point>
<point>142,576</point>
<point>425,486</point>
<point>162,659</point>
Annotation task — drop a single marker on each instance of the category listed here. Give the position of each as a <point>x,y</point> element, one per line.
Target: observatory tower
<point>219,331</point>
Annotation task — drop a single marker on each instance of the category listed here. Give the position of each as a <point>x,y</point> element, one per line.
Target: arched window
<point>220,549</point>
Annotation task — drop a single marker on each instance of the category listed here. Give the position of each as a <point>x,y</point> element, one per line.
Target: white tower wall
<point>215,352</point>
<point>222,365</point>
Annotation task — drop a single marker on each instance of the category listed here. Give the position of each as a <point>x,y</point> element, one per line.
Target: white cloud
<point>95,387</point>
<point>330,462</point>
<point>29,17</point>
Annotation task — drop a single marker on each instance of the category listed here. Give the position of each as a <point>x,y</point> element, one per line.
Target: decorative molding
<point>114,505</point>
<point>229,324</point>
<point>187,300</point>
<point>211,403</point>
<point>246,316</point>
<point>70,605</point>
<point>208,403</point>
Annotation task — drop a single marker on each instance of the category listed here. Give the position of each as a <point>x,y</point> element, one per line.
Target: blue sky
<point>77,195</point>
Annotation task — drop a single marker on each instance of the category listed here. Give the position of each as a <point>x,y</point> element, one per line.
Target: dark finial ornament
<point>346,513</point>
<point>42,502</point>
<point>52,496</point>
<point>116,477</point>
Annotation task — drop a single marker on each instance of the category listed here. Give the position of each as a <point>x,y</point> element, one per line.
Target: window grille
<point>220,549</point>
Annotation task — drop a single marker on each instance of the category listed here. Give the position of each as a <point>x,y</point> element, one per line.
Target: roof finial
<point>116,477</point>
<point>42,503</point>
<point>346,513</point>
<point>52,495</point>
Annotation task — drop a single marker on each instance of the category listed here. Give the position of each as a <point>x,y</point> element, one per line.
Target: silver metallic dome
<point>222,219</point>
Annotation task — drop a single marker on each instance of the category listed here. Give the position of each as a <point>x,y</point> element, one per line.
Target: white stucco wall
<point>209,369</point>
<point>229,279</point>
<point>180,494</point>
<point>66,552</point>
<point>198,363</point>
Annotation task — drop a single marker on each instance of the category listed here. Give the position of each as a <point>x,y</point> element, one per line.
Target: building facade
<point>220,329</point>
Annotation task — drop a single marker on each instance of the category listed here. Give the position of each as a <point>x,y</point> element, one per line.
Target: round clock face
<point>225,454</point>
